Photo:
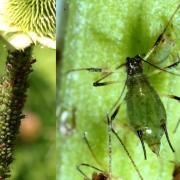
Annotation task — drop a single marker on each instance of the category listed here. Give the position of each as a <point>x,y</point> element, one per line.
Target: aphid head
<point>134,65</point>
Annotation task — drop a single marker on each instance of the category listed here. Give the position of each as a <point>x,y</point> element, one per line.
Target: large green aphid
<point>145,109</point>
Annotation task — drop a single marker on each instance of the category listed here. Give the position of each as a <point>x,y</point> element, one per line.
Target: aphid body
<point>146,112</point>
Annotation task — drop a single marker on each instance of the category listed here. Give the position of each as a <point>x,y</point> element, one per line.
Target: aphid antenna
<point>167,137</point>
<point>176,127</point>
<point>90,149</point>
<point>109,145</point>
<point>162,69</point>
<point>167,67</point>
<point>174,64</point>
<point>91,69</point>
<point>160,37</point>
<point>125,149</point>
<point>98,70</point>
<point>117,101</point>
<point>177,98</point>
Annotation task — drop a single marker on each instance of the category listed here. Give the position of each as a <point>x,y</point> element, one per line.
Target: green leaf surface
<point>102,34</point>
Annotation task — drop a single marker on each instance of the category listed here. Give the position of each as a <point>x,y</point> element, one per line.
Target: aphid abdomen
<point>145,110</point>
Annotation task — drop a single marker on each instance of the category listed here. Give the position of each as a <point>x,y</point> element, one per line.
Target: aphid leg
<point>127,152</point>
<point>140,135</point>
<point>167,137</point>
<point>87,165</point>
<point>99,83</point>
<point>109,146</point>
<point>162,69</point>
<point>160,37</point>
<point>177,98</point>
<point>166,67</point>
<point>96,84</point>
<point>115,112</point>
<point>116,103</point>
<point>91,151</point>
<point>99,70</point>
<point>173,65</point>
<point>91,69</point>
<point>177,125</point>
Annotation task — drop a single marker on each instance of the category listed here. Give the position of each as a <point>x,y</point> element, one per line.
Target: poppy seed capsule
<point>32,16</point>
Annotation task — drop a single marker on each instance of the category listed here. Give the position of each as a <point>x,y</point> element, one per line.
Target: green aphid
<point>146,112</point>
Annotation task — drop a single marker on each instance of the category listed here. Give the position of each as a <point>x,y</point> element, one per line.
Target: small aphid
<point>103,175</point>
<point>145,110</point>
<point>176,172</point>
<point>95,176</point>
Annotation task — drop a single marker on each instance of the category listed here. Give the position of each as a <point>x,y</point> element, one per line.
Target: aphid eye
<point>128,59</point>
<point>138,58</point>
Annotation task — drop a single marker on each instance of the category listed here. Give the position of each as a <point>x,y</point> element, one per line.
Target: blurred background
<point>35,150</point>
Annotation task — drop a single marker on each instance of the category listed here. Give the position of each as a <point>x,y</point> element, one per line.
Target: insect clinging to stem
<point>103,175</point>
<point>145,110</point>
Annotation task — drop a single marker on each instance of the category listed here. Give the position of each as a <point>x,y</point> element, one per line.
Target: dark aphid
<point>100,176</point>
<point>103,175</point>
<point>176,172</point>
<point>146,112</point>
